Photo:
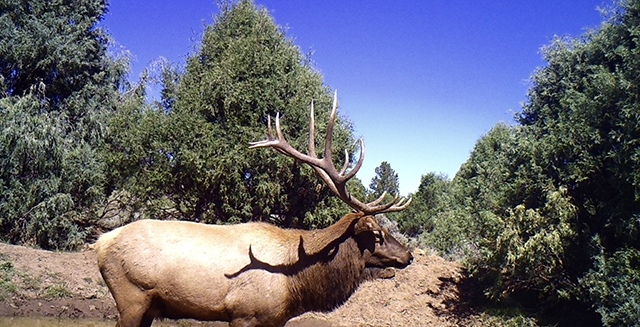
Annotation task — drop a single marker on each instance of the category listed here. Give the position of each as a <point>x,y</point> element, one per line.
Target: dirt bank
<point>43,283</point>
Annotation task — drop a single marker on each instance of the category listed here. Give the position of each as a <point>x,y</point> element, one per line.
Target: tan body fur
<point>251,274</point>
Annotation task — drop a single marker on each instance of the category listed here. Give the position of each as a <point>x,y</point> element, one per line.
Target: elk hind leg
<point>133,307</point>
<point>134,315</point>
<point>253,322</point>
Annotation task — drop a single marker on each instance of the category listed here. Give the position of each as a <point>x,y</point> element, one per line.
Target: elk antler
<point>337,181</point>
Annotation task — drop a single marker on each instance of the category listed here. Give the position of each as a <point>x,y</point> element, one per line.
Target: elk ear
<point>365,224</point>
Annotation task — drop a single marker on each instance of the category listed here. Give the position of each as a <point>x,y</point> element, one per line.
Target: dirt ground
<point>37,283</point>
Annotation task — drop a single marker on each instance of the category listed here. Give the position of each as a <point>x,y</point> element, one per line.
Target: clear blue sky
<point>421,80</point>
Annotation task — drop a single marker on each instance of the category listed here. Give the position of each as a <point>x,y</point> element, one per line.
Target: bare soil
<point>37,283</point>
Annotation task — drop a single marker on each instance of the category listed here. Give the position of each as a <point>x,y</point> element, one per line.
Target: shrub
<point>614,287</point>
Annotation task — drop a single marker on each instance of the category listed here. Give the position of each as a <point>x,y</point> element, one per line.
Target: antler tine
<point>332,120</point>
<point>281,145</point>
<point>386,206</point>
<point>278,130</point>
<point>346,162</point>
<point>358,164</point>
<point>399,203</point>
<point>324,167</point>
<point>270,130</point>
<point>312,127</point>
<point>399,206</point>
<point>393,206</point>
<point>378,200</point>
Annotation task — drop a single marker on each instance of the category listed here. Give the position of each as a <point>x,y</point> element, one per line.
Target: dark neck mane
<point>324,270</point>
<point>319,240</point>
<point>329,282</point>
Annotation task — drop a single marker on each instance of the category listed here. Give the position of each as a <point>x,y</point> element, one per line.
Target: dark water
<point>53,322</point>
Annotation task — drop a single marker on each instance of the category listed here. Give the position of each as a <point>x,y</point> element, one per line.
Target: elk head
<point>381,249</point>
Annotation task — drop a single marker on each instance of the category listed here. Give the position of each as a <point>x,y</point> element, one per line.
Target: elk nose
<point>406,259</point>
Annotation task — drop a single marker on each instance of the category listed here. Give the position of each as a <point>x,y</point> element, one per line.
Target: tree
<point>385,180</point>
<point>194,158</point>
<point>431,199</point>
<point>518,225</point>
<point>58,86</point>
<point>551,207</point>
<point>583,109</point>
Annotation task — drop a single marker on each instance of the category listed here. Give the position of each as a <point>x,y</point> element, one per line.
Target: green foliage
<point>505,318</point>
<point>7,285</point>
<point>57,291</point>
<point>584,111</point>
<point>585,104</point>
<point>58,88</point>
<point>549,211</point>
<point>614,286</point>
<point>518,224</point>
<point>431,199</point>
<point>53,46</point>
<point>385,180</point>
<point>528,254</point>
<point>136,152</point>
<point>191,158</point>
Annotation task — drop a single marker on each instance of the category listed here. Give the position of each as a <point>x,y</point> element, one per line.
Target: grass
<point>57,291</point>
<point>14,283</point>
<point>504,321</point>
<point>7,286</point>
<point>506,317</point>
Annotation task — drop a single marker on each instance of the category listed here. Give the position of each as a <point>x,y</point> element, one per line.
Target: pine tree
<point>385,180</point>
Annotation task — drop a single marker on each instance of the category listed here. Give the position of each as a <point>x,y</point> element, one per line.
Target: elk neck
<point>329,281</point>
<point>320,240</point>
<point>305,249</point>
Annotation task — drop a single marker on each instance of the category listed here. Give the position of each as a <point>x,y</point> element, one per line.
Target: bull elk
<point>251,274</point>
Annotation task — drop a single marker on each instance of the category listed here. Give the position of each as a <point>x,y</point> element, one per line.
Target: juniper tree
<point>551,207</point>
<point>195,159</point>
<point>58,86</point>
